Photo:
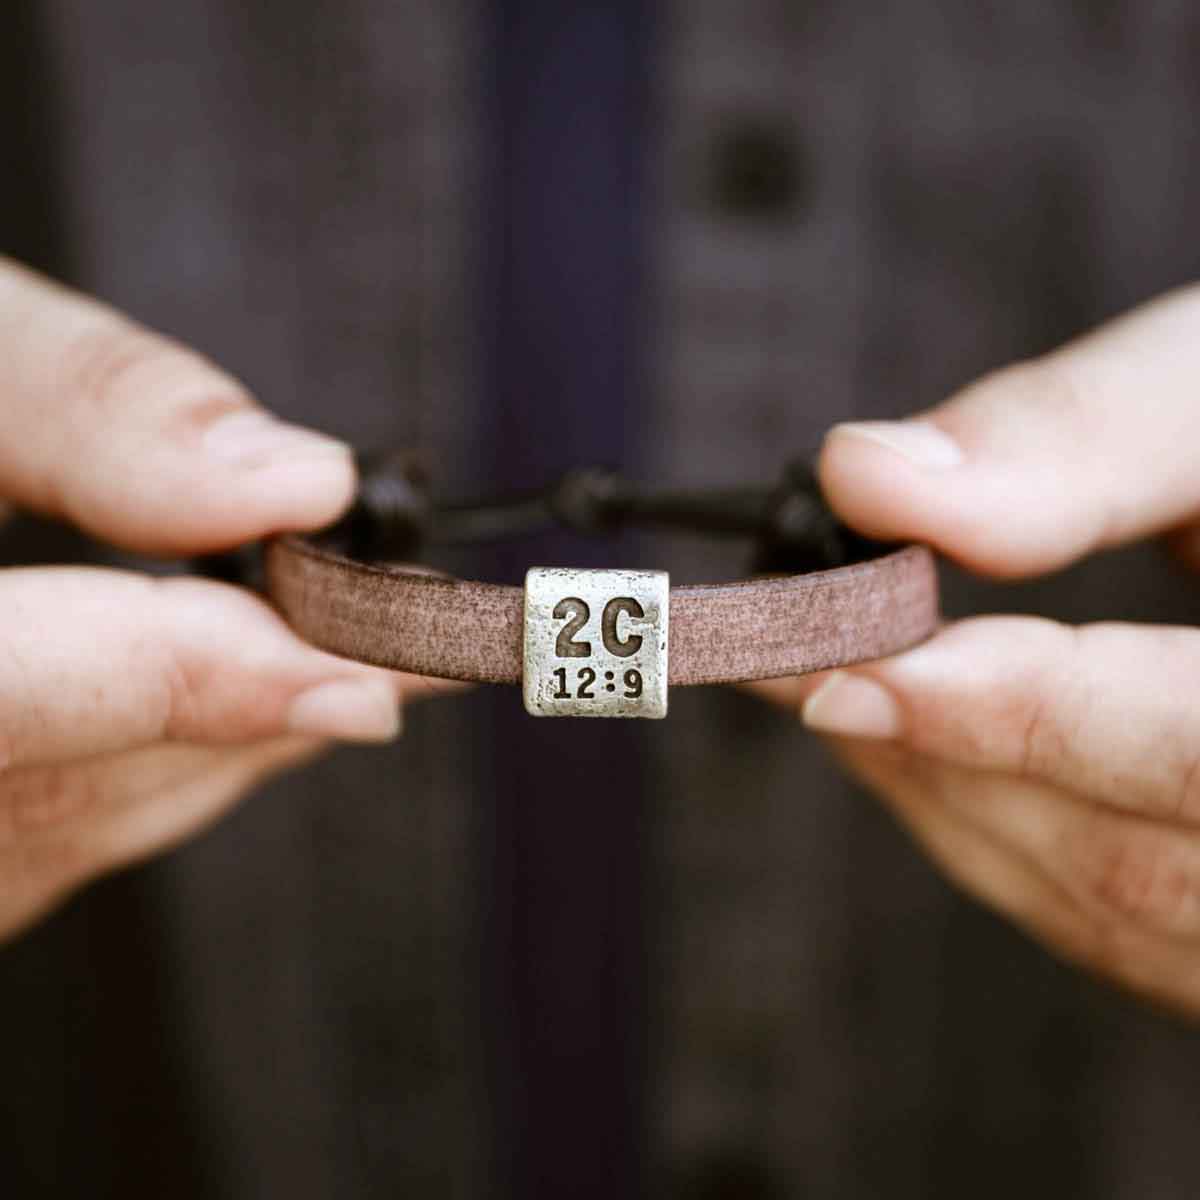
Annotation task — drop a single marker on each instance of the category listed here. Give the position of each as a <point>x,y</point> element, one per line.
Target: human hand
<point>1053,772</point>
<point>135,710</point>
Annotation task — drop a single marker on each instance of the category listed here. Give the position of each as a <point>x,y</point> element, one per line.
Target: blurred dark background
<point>508,959</point>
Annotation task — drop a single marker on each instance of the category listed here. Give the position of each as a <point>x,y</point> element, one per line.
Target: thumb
<point>139,440</point>
<point>1041,463</point>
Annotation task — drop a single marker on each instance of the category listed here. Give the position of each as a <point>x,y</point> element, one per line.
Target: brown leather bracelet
<point>411,619</point>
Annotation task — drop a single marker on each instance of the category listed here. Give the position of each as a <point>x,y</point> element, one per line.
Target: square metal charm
<point>596,642</point>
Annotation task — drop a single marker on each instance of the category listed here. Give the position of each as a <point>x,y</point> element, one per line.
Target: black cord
<point>393,518</point>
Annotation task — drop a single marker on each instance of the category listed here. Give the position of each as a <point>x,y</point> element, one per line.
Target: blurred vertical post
<point>567,130</point>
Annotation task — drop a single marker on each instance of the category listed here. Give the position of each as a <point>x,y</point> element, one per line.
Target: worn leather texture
<point>404,618</point>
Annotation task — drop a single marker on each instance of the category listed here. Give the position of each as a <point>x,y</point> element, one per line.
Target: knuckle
<point>112,365</point>
<point>41,799</point>
<point>1144,880</point>
<point>103,363</point>
<point>1069,397</point>
<point>1050,386</point>
<point>1045,711</point>
<point>180,701</point>
<point>1045,386</point>
<point>43,813</point>
<point>1057,405</point>
<point>1033,737</point>
<point>1186,803</point>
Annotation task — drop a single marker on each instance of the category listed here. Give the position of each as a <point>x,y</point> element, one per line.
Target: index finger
<point>95,661</point>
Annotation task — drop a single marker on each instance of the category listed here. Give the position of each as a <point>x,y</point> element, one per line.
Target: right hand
<point>1053,771</point>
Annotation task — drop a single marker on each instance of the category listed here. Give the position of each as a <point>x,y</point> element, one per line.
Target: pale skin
<point>1052,772</point>
<point>134,711</point>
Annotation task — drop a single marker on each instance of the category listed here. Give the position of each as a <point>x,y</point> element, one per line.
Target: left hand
<point>1052,771</point>
<point>135,711</point>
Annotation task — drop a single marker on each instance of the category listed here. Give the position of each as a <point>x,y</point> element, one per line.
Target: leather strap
<point>410,619</point>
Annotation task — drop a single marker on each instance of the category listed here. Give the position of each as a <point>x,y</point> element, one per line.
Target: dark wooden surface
<point>421,971</point>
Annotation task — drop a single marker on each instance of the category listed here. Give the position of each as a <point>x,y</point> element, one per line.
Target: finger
<point>1127,874</point>
<point>1039,464</point>
<point>141,441</point>
<point>95,661</point>
<point>1113,868</point>
<point>1109,891</point>
<point>63,825</point>
<point>153,799</point>
<point>940,805</point>
<point>1100,711</point>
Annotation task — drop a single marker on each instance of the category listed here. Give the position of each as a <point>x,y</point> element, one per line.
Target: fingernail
<point>253,438</point>
<point>354,710</point>
<point>853,706</point>
<point>923,444</point>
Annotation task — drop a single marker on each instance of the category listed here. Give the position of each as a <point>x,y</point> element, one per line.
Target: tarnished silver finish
<point>595,642</point>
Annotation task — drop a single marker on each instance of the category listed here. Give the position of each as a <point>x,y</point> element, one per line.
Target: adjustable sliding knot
<point>393,517</point>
